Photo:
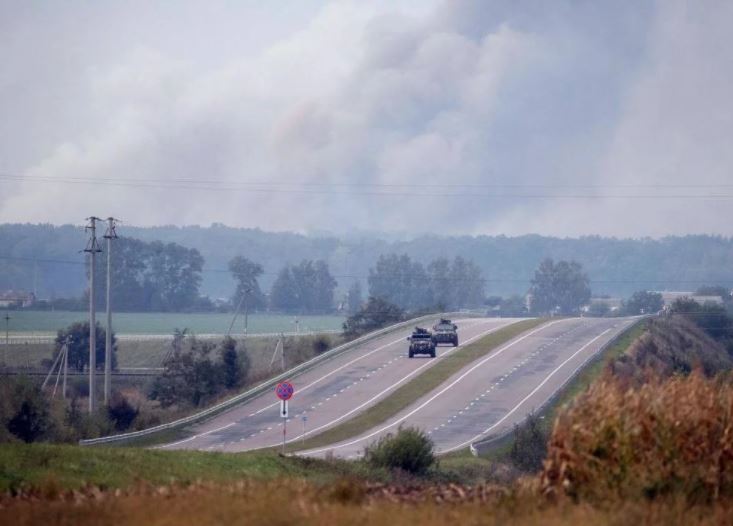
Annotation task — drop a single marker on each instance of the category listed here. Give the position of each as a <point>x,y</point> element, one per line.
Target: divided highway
<point>489,396</point>
<point>328,394</point>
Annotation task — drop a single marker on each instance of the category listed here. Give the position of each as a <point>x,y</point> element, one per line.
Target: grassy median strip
<point>417,387</point>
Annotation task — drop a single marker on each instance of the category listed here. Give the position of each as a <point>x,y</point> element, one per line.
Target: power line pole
<point>109,235</point>
<point>92,249</point>
<point>7,339</point>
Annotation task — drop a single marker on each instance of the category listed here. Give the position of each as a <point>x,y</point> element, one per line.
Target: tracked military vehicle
<point>421,342</point>
<point>445,331</point>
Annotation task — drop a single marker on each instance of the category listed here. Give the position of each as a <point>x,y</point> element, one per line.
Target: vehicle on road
<point>421,342</point>
<point>445,331</point>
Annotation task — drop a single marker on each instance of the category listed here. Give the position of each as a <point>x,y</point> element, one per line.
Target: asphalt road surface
<point>490,395</point>
<point>328,394</point>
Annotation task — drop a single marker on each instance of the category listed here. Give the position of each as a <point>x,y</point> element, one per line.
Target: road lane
<point>489,396</point>
<point>327,394</point>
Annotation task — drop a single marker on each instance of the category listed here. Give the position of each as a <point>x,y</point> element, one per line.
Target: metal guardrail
<point>477,447</point>
<point>268,384</point>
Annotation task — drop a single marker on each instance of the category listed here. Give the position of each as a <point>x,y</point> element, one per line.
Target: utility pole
<point>109,235</point>
<point>7,339</point>
<point>92,249</point>
<point>246,308</point>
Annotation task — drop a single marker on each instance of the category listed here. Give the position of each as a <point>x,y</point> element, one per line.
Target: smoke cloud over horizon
<point>474,117</point>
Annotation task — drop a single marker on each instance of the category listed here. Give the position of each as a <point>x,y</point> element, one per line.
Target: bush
<point>26,412</point>
<point>321,344</point>
<point>666,437</point>
<point>529,446</point>
<point>121,412</point>
<point>410,449</point>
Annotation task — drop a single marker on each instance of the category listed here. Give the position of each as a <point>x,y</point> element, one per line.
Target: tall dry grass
<point>665,437</point>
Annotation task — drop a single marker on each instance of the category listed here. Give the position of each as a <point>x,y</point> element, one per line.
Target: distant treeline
<point>616,267</point>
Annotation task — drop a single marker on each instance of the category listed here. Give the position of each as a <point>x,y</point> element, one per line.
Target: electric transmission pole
<point>109,235</point>
<point>92,249</point>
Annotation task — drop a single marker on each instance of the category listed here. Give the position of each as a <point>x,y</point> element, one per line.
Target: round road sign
<point>284,390</point>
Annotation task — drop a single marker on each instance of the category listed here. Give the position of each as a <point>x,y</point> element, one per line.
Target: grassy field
<point>48,322</point>
<point>43,484</point>
<point>418,386</point>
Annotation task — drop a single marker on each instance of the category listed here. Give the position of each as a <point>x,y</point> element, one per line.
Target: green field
<point>48,322</point>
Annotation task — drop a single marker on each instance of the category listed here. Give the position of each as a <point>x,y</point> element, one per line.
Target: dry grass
<point>663,438</point>
<point>298,502</point>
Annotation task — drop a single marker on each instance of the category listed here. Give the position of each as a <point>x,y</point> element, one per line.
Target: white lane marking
<point>516,407</point>
<point>439,393</point>
<point>195,436</point>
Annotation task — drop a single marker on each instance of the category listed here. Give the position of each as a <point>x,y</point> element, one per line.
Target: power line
<point>414,190</point>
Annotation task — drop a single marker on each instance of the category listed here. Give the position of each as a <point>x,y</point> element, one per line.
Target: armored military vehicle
<point>421,342</point>
<point>445,331</point>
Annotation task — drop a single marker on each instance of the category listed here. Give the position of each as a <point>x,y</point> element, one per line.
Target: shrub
<point>529,445</point>
<point>410,449</point>
<point>321,344</point>
<point>121,412</point>
<point>27,411</point>
<point>666,437</point>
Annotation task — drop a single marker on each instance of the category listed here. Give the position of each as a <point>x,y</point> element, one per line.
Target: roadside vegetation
<point>648,441</point>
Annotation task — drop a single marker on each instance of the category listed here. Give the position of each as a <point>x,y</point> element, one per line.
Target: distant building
<point>670,297</point>
<point>16,298</point>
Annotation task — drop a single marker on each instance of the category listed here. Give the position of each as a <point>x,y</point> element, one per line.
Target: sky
<point>471,117</point>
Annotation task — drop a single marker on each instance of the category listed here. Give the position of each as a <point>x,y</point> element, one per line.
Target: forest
<point>47,259</point>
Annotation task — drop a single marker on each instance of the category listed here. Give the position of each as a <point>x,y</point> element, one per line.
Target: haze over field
<point>301,117</point>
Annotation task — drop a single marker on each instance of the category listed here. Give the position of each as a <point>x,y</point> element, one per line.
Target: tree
<point>513,306</point>
<point>710,317</point>
<point>441,286</point>
<point>304,288</point>
<point>353,298</point>
<point>190,375</point>
<point>283,296</point>
<point>643,302</point>
<point>467,284</point>
<point>76,337</point>
<point>377,313</point>
<point>32,419</point>
<point>246,274</point>
<point>150,276</point>
<point>231,369</point>
<point>598,309</point>
<point>561,287</point>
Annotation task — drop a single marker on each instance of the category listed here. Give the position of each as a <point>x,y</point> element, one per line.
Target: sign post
<point>305,419</point>
<point>284,392</point>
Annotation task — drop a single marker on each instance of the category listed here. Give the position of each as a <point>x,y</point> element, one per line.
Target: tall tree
<point>400,281</point>
<point>467,284</point>
<point>562,287</point>
<point>643,302</point>
<point>246,274</point>
<point>306,288</point>
<point>353,298</point>
<point>283,296</point>
<point>439,274</point>
<point>76,336</point>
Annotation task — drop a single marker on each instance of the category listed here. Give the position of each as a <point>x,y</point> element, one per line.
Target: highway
<point>327,394</point>
<point>489,396</point>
